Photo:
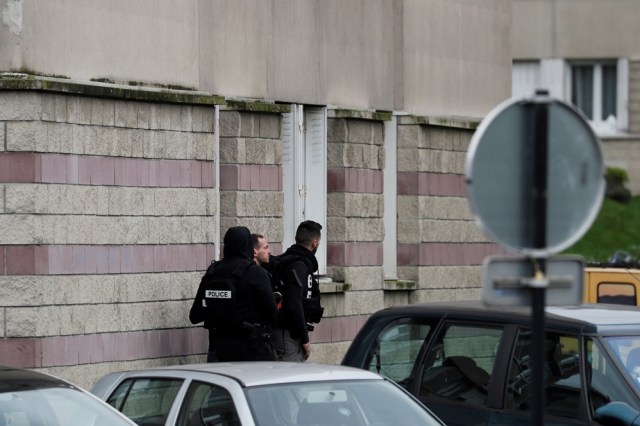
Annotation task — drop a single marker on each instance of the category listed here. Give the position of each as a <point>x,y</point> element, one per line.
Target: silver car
<point>260,393</point>
<point>31,398</point>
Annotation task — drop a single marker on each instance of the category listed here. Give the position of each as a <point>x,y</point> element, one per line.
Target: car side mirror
<point>618,413</point>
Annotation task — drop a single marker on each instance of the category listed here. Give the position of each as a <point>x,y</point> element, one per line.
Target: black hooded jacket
<point>295,290</point>
<point>254,295</point>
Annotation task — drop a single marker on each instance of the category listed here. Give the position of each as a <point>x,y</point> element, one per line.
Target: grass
<point>617,227</point>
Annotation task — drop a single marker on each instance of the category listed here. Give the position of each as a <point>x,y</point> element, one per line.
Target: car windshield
<point>627,350</point>
<point>56,406</point>
<point>353,403</point>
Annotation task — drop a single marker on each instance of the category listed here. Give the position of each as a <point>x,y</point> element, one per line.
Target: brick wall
<point>106,224</point>
<point>251,171</point>
<point>634,96</point>
<point>439,244</point>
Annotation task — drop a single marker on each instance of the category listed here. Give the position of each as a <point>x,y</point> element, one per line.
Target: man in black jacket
<point>236,303</point>
<point>300,294</point>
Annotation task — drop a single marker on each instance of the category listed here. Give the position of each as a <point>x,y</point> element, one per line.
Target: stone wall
<point>624,153</point>
<point>439,244</point>
<point>106,224</point>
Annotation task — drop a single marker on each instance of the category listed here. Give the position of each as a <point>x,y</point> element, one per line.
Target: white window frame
<point>304,173</point>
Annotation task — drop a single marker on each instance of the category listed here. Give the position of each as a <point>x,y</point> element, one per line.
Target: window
<point>146,401</point>
<point>561,372</point>
<point>206,404</point>
<point>594,92</point>
<point>396,349</point>
<point>617,293</point>
<point>460,364</point>
<point>304,173</point>
<point>606,384</point>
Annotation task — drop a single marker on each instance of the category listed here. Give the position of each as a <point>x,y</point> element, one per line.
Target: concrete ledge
<point>255,106</point>
<point>450,121</point>
<point>359,114</point>
<point>399,285</point>
<point>327,285</point>
<point>16,81</point>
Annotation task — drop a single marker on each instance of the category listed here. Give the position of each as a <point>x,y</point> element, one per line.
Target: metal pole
<point>539,216</point>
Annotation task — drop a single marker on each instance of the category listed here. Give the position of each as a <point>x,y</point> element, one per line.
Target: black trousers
<point>254,345</point>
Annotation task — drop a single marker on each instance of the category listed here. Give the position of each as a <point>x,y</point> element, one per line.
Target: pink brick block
<point>115,253</point>
<point>143,172</point>
<point>192,258</point>
<point>95,164</point>
<point>211,252</point>
<point>335,180</point>
<point>322,332</point>
<point>53,351</point>
<point>228,177</point>
<point>2,263</point>
<point>196,174</point>
<point>41,260</point>
<point>244,177</point>
<point>131,172</point>
<point>185,173</point>
<point>89,349</point>
<point>108,345</point>
<point>154,173</point>
<point>102,259</point>
<point>174,173</point>
<point>59,168</point>
<point>108,171</point>
<point>408,254</point>
<point>336,254</point>
<point>84,170</point>
<point>19,167</point>
<point>158,259</point>
<point>137,263</point>
<point>72,169</point>
<point>126,259</point>
<point>91,259</point>
<point>254,175</point>
<point>180,253</point>
<point>18,352</point>
<point>148,258</point>
<point>47,167</point>
<point>20,260</point>
<point>79,260</point>
<point>153,343</point>
<point>203,261</point>
<point>407,183</point>
<point>164,174</point>
<point>71,350</point>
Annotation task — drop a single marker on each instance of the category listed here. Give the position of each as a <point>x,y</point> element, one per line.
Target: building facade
<point>585,52</point>
<point>134,134</point>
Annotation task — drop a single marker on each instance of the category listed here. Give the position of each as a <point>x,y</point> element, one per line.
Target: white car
<point>260,393</point>
<point>31,398</point>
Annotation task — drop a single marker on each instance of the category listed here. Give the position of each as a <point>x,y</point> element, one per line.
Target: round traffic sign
<point>535,175</point>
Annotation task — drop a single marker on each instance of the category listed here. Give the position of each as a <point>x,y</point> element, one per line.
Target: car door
<point>453,378</point>
<point>565,399</point>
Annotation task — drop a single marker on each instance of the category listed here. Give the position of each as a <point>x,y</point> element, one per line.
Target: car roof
<point>588,317</point>
<point>17,379</point>
<point>259,373</point>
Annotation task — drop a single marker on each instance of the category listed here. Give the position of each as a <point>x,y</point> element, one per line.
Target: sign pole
<point>539,190</point>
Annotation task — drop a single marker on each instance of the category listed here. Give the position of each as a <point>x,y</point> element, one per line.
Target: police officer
<point>239,316</point>
<point>300,294</point>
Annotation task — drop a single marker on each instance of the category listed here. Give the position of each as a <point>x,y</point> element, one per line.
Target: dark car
<point>471,364</point>
<point>31,398</point>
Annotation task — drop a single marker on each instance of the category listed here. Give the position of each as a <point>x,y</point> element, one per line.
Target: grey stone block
<point>269,125</point>
<point>328,353</point>
<point>409,136</point>
<point>202,119</point>
<point>337,130</point>
<point>364,277</point>
<point>17,106</point>
<point>359,131</point>
<point>26,136</point>
<point>409,230</point>
<point>441,208</point>
<point>407,159</point>
<point>249,125</point>
<point>363,302</point>
<point>396,298</point>
<point>3,136</point>
<point>355,205</point>
<point>229,124</point>
<point>126,114</point>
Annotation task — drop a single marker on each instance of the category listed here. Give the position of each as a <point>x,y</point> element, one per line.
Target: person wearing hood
<point>236,303</point>
<point>300,307</point>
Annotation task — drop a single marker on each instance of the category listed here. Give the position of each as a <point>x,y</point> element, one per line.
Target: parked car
<point>260,393</point>
<point>30,398</point>
<point>471,364</point>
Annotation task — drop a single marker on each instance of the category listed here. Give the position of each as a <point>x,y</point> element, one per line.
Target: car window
<point>607,382</point>
<point>460,363</point>
<point>146,401</point>
<point>336,403</point>
<point>208,405</point>
<point>617,293</point>
<point>561,371</point>
<point>396,348</point>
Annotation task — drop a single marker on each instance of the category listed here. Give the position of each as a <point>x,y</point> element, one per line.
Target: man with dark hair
<point>261,250</point>
<point>293,273</point>
<point>236,303</point>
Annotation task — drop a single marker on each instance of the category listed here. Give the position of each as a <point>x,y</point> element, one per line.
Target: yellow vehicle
<point>612,285</point>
